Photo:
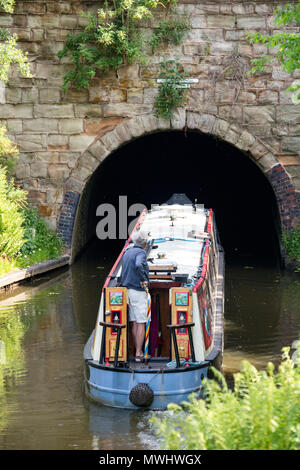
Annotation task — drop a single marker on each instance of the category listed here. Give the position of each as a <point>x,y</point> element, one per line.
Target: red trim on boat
<point>197,286</point>
<point>210,219</point>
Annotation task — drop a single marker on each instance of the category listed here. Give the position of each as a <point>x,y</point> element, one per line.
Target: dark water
<point>44,326</point>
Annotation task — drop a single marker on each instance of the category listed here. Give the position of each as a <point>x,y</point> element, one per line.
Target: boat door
<point>181,313</point>
<point>116,312</point>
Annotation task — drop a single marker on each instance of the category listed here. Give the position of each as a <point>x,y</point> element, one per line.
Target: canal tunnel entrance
<point>150,169</point>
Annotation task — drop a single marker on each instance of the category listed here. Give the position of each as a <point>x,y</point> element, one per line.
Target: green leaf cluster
<point>291,242</point>
<point>111,38</point>
<point>24,236</point>
<point>171,94</point>
<point>10,54</point>
<point>169,31</point>
<point>8,152</point>
<point>7,5</point>
<point>40,242</point>
<point>11,220</point>
<point>262,412</point>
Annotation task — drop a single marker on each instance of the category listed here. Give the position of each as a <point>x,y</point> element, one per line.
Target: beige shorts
<point>138,302</point>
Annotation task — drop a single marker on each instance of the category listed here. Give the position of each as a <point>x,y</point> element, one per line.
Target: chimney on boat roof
<point>179,198</point>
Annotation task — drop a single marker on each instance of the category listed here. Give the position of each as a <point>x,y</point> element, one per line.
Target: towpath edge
<point>19,275</point>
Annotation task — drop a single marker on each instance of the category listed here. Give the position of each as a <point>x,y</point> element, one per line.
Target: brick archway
<point>288,199</point>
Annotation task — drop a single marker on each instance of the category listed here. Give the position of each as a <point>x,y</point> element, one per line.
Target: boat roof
<point>173,229</point>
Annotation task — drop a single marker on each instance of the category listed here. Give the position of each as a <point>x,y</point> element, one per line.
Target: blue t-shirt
<point>134,268</point>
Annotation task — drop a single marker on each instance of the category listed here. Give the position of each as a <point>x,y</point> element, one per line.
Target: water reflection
<point>117,429</point>
<point>262,315</point>
<point>43,329</point>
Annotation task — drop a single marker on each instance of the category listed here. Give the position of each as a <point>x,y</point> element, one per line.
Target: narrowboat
<point>186,308</point>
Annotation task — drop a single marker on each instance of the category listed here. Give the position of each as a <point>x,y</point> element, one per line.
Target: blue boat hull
<point>112,387</point>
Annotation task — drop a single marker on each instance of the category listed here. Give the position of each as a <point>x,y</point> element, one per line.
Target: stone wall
<point>57,132</point>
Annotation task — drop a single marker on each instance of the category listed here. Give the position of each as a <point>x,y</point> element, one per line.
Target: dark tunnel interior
<point>150,169</point>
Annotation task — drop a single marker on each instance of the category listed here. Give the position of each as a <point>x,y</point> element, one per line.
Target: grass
<point>41,244</point>
<point>7,265</point>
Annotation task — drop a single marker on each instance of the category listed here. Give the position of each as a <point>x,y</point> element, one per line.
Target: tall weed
<point>262,412</point>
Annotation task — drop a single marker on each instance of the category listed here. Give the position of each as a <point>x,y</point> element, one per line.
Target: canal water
<point>45,324</point>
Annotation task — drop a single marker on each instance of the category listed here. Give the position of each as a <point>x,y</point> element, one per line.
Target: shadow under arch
<point>152,167</point>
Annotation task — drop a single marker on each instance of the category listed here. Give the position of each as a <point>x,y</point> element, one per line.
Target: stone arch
<point>288,199</point>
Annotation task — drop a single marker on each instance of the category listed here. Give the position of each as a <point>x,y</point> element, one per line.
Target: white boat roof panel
<point>185,255</point>
<point>170,227</point>
<point>173,221</point>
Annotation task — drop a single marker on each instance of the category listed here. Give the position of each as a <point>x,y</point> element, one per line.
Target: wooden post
<point>176,327</point>
<point>118,326</point>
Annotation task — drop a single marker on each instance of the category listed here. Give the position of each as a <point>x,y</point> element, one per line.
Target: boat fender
<point>141,395</point>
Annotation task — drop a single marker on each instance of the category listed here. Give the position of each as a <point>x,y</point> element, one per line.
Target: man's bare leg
<point>135,335</point>
<point>138,333</point>
<point>140,336</point>
<point>134,327</point>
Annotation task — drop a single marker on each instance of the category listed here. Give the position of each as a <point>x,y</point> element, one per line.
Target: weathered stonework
<point>63,138</point>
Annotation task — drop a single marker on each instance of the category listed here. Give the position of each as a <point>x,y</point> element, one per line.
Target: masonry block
<point>54,110</point>
<point>98,150</point>
<point>80,142</point>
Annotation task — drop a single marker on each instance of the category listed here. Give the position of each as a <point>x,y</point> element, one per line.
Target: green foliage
<point>11,220</point>
<point>111,38</point>
<point>261,413</point>
<point>8,152</point>
<point>291,242</point>
<point>25,238</point>
<point>171,94</point>
<point>11,55</point>
<point>169,31</point>
<point>40,242</point>
<point>286,45</point>
<point>7,5</point>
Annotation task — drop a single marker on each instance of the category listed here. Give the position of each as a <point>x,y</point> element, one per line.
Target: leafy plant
<point>11,220</point>
<point>24,236</point>
<point>286,45</point>
<point>40,241</point>
<point>261,413</point>
<point>171,91</point>
<point>10,54</point>
<point>111,38</point>
<point>291,242</point>
<point>169,31</point>
<point>8,152</point>
<point>7,5</point>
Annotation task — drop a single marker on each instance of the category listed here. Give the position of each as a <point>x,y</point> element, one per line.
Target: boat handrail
<point>112,325</point>
<point>181,325</point>
<point>176,327</point>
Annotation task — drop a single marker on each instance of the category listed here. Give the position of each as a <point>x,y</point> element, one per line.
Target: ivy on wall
<point>114,37</point>
<point>285,44</point>
<point>172,91</point>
